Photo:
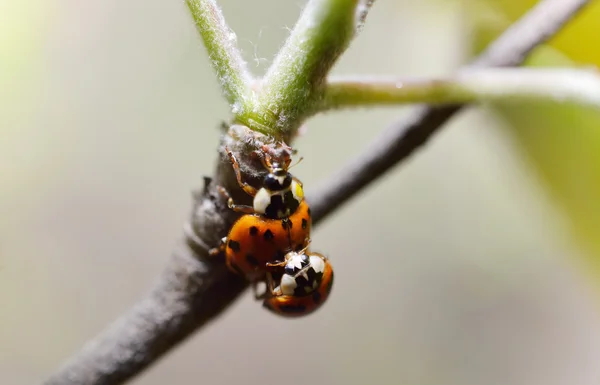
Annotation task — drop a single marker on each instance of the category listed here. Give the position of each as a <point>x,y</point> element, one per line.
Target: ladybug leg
<point>238,208</point>
<point>219,249</point>
<point>236,168</point>
<point>265,158</point>
<point>271,285</point>
<point>257,294</point>
<point>275,267</point>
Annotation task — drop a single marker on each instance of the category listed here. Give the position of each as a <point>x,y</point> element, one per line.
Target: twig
<point>401,139</point>
<point>481,85</point>
<point>156,324</point>
<point>225,57</point>
<point>538,25</point>
<point>193,291</point>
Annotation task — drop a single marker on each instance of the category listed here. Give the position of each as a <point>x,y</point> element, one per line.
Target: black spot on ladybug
<point>233,245</point>
<point>286,224</point>
<point>309,213</point>
<point>292,308</point>
<point>251,260</point>
<point>304,223</point>
<point>268,235</point>
<point>316,297</point>
<point>253,230</point>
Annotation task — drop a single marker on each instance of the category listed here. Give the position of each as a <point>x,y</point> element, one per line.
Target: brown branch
<point>194,290</point>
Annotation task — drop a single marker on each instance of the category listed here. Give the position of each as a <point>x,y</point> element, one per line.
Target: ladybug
<point>304,281</point>
<point>278,221</point>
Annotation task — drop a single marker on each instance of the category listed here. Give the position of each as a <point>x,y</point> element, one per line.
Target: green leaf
<point>561,141</point>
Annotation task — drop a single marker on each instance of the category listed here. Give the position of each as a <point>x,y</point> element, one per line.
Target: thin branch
<point>156,324</point>
<point>193,291</point>
<point>481,85</point>
<point>401,139</point>
<point>538,25</point>
<point>322,33</point>
<point>226,59</point>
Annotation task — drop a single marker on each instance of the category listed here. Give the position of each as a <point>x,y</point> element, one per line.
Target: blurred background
<point>478,268</point>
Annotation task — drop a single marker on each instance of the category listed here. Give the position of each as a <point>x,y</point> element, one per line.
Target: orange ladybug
<point>303,286</point>
<point>278,221</point>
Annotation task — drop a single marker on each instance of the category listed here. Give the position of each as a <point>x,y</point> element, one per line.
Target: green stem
<point>294,81</point>
<point>225,57</point>
<point>507,84</point>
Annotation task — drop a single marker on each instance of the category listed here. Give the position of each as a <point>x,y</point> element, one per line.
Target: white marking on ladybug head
<point>288,285</point>
<point>317,264</point>
<point>295,260</point>
<point>262,199</point>
<point>280,179</point>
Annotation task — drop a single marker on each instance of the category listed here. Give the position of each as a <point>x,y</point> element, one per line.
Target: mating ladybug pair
<point>270,242</point>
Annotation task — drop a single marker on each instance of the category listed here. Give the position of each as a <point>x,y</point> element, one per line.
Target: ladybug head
<point>277,179</point>
<point>277,162</point>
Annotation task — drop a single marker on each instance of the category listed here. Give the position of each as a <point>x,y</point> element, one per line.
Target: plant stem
<point>225,57</point>
<point>482,85</point>
<point>289,89</point>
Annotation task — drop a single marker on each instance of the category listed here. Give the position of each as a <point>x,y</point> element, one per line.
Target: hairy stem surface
<point>482,85</point>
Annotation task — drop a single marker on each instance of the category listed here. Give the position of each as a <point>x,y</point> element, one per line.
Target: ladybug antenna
<point>303,251</point>
<point>295,164</point>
